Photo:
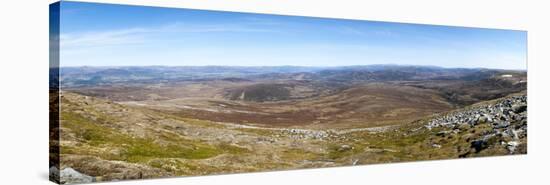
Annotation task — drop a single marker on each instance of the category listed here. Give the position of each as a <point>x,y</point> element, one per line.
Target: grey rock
<point>344,148</point>
<point>482,119</point>
<point>519,108</point>
<point>354,162</point>
<point>54,174</point>
<point>70,176</point>
<point>503,124</point>
<point>479,145</point>
<point>511,146</point>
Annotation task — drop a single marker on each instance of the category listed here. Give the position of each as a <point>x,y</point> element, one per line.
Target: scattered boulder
<point>502,124</point>
<point>71,176</point>
<point>519,108</point>
<point>344,148</point>
<point>511,146</point>
<point>54,174</point>
<point>506,110</point>
<point>479,145</point>
<point>482,119</point>
<point>503,120</point>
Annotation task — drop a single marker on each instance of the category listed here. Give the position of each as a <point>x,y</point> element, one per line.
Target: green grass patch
<point>295,154</point>
<point>133,149</point>
<point>228,148</point>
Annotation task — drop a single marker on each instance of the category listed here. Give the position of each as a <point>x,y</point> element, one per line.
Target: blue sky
<point>118,35</point>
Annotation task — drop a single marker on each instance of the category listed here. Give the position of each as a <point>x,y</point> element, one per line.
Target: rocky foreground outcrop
<point>69,176</point>
<point>504,120</point>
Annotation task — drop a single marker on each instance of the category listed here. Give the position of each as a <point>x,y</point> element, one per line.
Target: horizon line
<point>305,66</point>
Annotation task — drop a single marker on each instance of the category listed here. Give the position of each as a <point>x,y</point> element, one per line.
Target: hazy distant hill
<point>92,76</point>
<point>89,76</point>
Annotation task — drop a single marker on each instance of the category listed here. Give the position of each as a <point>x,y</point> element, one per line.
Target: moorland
<point>133,122</point>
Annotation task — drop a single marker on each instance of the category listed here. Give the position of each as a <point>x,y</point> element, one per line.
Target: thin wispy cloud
<point>104,38</point>
<point>142,35</point>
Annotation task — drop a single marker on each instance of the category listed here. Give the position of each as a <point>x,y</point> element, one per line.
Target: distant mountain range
<point>93,76</point>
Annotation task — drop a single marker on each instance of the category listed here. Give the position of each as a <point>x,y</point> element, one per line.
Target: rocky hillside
<point>504,123</point>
